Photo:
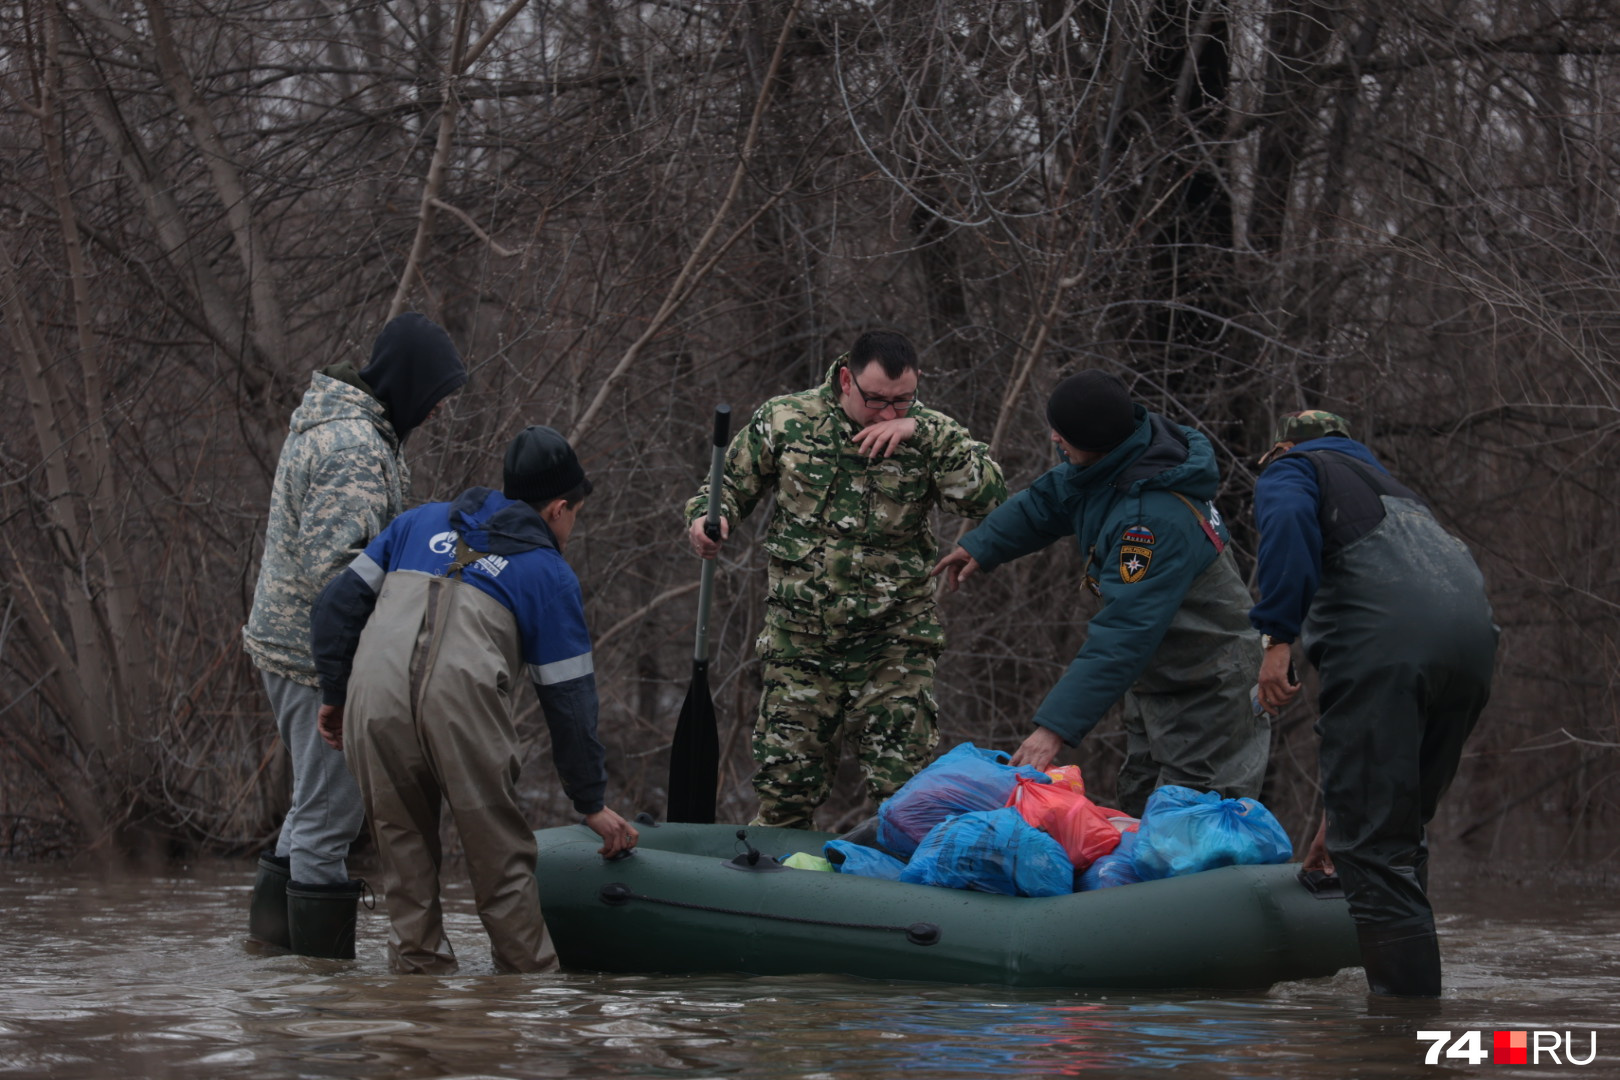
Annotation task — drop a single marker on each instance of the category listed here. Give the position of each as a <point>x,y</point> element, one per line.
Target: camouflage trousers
<point>875,693</point>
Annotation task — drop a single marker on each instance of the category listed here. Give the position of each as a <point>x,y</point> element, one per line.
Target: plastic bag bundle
<point>962,781</point>
<point>1185,831</point>
<point>848,857</point>
<point>993,851</point>
<point>1112,870</point>
<point>1085,830</point>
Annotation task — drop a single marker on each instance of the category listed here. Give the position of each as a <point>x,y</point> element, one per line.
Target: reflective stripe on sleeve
<point>560,671</point>
<point>369,571</point>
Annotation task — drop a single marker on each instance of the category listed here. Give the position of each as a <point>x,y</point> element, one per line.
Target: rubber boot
<point>1401,961</point>
<point>267,910</point>
<point>321,918</point>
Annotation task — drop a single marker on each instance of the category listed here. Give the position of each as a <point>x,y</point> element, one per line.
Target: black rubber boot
<point>267,910</point>
<point>321,918</point>
<point>1402,961</point>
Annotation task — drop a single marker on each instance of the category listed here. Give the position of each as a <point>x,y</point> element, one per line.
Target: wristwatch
<point>1267,641</point>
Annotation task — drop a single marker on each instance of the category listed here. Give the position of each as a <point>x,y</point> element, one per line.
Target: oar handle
<point>717,467</point>
<point>711,526</point>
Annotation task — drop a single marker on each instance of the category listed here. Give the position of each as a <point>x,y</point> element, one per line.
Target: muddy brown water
<point>147,975</point>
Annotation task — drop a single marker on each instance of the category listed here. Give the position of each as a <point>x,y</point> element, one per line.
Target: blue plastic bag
<point>851,858</point>
<point>1113,869</point>
<point>993,851</point>
<point>1185,831</point>
<point>962,781</point>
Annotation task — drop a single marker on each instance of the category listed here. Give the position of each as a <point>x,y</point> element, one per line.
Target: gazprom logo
<point>443,543</point>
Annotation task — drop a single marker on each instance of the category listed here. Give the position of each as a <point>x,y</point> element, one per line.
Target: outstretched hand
<point>329,722</point>
<point>617,834</point>
<point>885,436</point>
<point>1039,749</point>
<point>957,567</point>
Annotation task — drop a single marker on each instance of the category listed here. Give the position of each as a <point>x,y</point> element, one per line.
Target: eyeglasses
<point>899,405</point>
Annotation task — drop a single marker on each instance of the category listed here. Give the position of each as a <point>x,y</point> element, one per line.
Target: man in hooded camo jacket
<point>340,479</point>
<point>850,634</point>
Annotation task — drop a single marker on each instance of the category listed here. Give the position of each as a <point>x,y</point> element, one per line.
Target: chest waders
<point>1401,635</point>
<point>431,704</point>
<point>1187,719</point>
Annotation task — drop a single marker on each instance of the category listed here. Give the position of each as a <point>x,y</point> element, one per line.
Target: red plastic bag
<point>1069,776</point>
<point>1086,831</point>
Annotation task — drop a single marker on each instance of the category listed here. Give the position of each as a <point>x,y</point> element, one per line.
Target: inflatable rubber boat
<point>695,899</point>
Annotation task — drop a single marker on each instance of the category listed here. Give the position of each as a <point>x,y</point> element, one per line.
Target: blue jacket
<point>1286,499</point>
<point>1143,547</point>
<point>521,569</point>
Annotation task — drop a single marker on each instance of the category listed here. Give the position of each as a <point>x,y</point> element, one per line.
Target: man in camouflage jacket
<point>851,633</point>
<point>340,479</point>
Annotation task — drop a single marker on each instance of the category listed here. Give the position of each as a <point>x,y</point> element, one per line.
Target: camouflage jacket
<point>340,479</point>
<point>849,540</point>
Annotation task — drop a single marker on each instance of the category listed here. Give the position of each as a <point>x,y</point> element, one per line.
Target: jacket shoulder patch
<point>1133,562</point>
<point>1138,534</point>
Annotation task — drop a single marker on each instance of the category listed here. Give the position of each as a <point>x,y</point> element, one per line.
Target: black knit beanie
<point>1092,411</point>
<point>540,465</point>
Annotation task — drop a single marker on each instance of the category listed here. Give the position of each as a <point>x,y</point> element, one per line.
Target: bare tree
<point>627,213</point>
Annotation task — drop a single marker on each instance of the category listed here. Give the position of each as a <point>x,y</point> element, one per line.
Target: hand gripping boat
<point>691,900</point>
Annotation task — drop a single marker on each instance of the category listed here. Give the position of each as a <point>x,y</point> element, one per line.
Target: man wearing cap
<point>1392,613</point>
<point>421,644</point>
<point>851,633</point>
<point>1170,638</point>
<point>341,477</point>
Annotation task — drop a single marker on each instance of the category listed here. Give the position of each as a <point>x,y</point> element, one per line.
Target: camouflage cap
<point>1297,427</point>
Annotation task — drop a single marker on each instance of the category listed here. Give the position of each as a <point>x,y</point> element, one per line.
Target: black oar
<point>694,759</point>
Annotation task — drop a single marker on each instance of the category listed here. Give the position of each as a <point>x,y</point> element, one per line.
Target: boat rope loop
<point>617,894</point>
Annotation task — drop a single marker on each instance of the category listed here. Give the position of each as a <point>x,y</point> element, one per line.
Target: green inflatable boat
<point>692,899</point>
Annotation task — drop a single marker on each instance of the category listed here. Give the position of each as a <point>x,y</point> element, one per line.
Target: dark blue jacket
<point>523,570</point>
<point>1286,501</point>
<point>1143,545</point>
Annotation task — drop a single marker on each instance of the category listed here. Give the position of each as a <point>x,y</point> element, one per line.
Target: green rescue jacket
<point>1145,551</point>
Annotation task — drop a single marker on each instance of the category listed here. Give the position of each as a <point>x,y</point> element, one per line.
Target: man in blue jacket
<point>421,645</point>
<point>1171,637</point>
<point>1392,612</point>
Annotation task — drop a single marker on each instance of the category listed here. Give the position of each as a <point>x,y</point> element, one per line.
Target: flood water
<point>148,976</point>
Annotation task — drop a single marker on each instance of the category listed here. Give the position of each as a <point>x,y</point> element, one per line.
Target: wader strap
<point>1350,495</point>
<point>1381,484</point>
<point>438,599</point>
<point>1203,523</point>
<point>465,557</point>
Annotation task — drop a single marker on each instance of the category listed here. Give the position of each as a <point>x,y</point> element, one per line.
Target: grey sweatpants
<point>326,812</point>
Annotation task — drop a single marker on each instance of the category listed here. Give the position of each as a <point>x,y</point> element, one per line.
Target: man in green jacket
<point>851,634</point>
<point>1172,636</point>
